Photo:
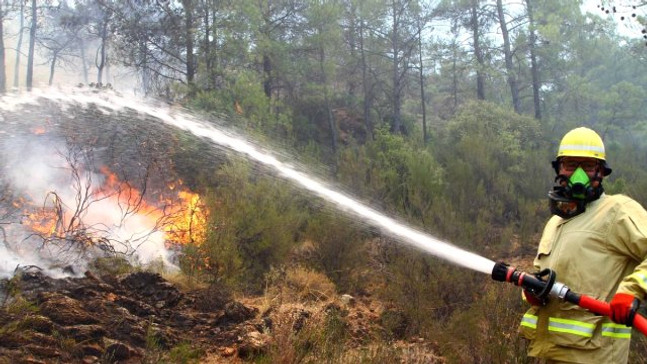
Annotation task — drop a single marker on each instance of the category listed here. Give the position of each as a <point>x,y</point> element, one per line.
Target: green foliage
<point>404,178</point>
<point>111,266</point>
<point>242,99</point>
<point>338,243</point>
<point>253,219</point>
<point>18,305</point>
<point>622,103</point>
<point>185,353</point>
<point>493,160</point>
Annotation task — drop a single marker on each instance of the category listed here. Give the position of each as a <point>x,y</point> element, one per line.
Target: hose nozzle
<point>500,271</point>
<point>539,284</point>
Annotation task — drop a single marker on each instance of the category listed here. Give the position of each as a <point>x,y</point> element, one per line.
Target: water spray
<point>542,284</point>
<point>111,102</point>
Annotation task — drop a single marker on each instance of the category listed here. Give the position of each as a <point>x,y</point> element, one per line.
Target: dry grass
<point>309,285</point>
<point>184,282</point>
<point>295,285</point>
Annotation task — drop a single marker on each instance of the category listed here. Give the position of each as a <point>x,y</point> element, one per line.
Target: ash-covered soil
<point>122,319</point>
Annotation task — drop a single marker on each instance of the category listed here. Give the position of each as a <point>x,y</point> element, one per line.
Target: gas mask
<point>571,194</point>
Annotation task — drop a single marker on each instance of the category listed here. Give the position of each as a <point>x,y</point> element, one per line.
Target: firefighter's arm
<point>630,235</point>
<point>631,231</point>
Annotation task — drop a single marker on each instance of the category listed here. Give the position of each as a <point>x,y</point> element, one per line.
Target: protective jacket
<point>597,253</point>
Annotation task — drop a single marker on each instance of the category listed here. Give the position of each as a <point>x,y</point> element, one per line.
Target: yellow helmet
<point>583,142</point>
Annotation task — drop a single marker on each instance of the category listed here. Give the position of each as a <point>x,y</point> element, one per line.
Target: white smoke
<point>224,139</point>
<point>8,262</point>
<point>38,167</point>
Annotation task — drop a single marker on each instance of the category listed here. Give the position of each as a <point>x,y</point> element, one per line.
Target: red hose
<point>603,308</point>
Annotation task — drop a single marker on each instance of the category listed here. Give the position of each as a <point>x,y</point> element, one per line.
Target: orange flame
<point>188,224</point>
<point>42,222</point>
<point>182,218</point>
<point>39,130</point>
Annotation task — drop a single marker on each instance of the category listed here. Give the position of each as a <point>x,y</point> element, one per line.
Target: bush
<point>299,284</point>
<point>338,248</point>
<point>487,331</point>
<point>253,223</point>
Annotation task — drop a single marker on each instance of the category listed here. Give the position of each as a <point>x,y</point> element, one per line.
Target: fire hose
<point>544,285</point>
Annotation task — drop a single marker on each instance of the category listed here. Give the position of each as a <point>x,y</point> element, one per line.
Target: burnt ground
<point>142,318</point>
<point>112,319</point>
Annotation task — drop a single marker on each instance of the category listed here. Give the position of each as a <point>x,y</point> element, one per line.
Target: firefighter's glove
<point>534,300</point>
<point>623,308</point>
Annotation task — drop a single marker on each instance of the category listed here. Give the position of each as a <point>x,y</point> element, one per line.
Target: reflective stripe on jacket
<point>596,253</point>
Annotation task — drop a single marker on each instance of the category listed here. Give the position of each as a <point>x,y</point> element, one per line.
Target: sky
<point>627,24</point>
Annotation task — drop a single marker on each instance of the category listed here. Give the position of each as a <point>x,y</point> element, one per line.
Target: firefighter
<point>597,245</point>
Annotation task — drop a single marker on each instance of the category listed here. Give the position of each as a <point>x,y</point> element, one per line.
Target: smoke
<point>226,140</point>
<point>34,165</point>
<point>43,173</point>
<point>8,261</point>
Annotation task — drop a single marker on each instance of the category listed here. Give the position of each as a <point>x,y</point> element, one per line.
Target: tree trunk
<point>331,120</point>
<point>52,68</point>
<point>188,33</point>
<point>267,71</point>
<point>509,67</point>
<point>32,46</point>
<point>3,66</point>
<point>478,52</point>
<point>210,52</point>
<point>352,45</point>
<point>425,137</point>
<point>455,75</point>
<point>101,57</point>
<point>84,62</point>
<point>396,125</point>
<point>534,68</point>
<point>366,90</point>
<point>16,74</point>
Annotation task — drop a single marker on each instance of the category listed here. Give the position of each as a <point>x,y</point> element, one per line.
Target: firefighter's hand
<point>623,308</point>
<point>533,300</point>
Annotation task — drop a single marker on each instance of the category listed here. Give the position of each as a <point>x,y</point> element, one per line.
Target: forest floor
<point>143,318</point>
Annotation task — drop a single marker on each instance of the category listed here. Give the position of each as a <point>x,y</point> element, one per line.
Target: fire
<point>188,225</point>
<point>39,130</point>
<point>42,222</point>
<point>181,218</point>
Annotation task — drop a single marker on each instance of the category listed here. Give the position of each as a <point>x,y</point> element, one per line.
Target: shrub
<point>487,331</point>
<point>299,284</point>
<point>253,223</point>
